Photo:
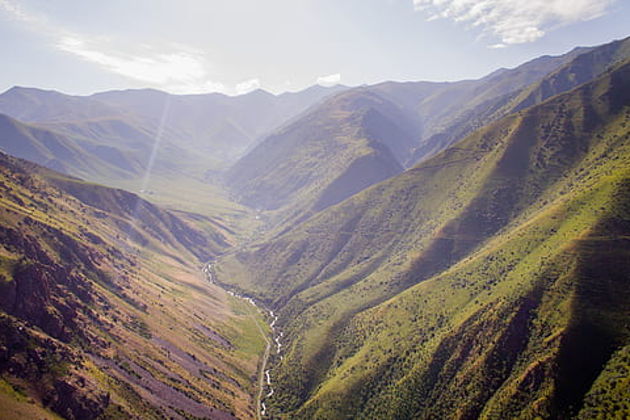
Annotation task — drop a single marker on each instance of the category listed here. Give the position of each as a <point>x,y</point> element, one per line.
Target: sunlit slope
<point>104,312</point>
<point>476,277</point>
<point>332,152</point>
<point>522,328</point>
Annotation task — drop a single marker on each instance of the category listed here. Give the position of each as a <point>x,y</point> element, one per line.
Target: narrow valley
<point>394,210</point>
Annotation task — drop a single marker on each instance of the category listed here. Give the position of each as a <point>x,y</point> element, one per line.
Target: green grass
<point>7,389</point>
<point>249,330</point>
<point>608,398</point>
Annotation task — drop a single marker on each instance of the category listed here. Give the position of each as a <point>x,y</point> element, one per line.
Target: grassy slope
<point>330,153</point>
<point>104,310</point>
<point>505,227</point>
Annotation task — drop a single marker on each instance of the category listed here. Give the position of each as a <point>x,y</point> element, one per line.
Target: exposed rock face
<point>78,398</point>
<point>41,291</point>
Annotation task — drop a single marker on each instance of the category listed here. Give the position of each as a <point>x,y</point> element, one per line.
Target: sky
<point>235,46</point>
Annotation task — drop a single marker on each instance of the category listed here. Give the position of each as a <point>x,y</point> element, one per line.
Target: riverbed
<point>264,375</point>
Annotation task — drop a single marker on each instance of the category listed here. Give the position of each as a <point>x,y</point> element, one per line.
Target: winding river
<point>264,376</point>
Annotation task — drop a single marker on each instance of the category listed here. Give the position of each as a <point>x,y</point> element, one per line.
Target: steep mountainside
<point>104,313</point>
<point>332,152</point>
<point>492,277</point>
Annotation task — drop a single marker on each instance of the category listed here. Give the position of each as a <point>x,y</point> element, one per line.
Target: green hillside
<point>491,278</point>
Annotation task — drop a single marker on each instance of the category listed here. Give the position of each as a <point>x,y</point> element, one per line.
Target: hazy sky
<point>232,46</point>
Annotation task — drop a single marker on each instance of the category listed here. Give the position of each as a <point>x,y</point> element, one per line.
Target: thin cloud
<point>331,79</point>
<point>514,21</point>
<point>175,68</point>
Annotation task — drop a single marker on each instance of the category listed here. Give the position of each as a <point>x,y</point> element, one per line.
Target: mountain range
<point>415,249</point>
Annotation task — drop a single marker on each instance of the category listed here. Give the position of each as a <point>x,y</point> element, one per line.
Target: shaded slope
<point>103,312</point>
<point>437,288</point>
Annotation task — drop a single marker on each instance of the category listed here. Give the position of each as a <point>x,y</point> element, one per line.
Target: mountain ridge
<point>352,136</point>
